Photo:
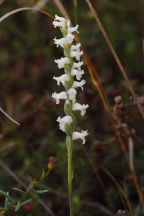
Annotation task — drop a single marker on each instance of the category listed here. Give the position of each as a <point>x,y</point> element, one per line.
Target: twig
<point>98,206</point>
<point>40,4</point>
<point>100,25</point>
<point>119,188</point>
<point>95,170</point>
<point>131,151</point>
<point>1,110</point>
<point>143,47</point>
<point>7,146</point>
<point>11,173</point>
<point>24,9</point>
<point>98,177</point>
<point>61,9</point>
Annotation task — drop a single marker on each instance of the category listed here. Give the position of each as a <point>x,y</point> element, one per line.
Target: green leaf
<point>42,175</point>
<point>17,207</point>
<point>6,201</point>
<point>6,195</point>
<point>29,187</point>
<point>20,204</point>
<point>40,191</point>
<point>25,202</point>
<point>19,190</point>
<point>3,193</point>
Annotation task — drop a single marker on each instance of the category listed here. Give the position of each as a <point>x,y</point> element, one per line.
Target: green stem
<point>75,10</point>
<point>70,174</point>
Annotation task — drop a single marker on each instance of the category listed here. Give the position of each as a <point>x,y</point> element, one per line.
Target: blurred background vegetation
<point>27,68</point>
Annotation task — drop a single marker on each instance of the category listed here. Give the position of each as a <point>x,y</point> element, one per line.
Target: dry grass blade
<point>119,188</point>
<point>14,121</point>
<point>131,151</point>
<point>122,70</point>
<point>61,8</point>
<point>96,81</point>
<point>143,47</point>
<point>1,2</point>
<point>8,146</point>
<point>24,9</point>
<point>95,170</point>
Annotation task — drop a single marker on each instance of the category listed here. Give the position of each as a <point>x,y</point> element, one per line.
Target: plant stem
<point>70,175</point>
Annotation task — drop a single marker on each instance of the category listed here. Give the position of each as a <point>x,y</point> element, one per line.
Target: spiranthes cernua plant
<point>71,80</point>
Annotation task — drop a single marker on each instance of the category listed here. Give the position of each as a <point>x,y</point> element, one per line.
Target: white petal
<point>62,79</point>
<point>72,29</point>
<point>72,94</point>
<point>78,84</point>
<point>77,73</point>
<point>76,54</point>
<point>64,41</point>
<point>62,61</point>
<point>59,96</point>
<point>63,121</point>
<point>76,47</point>
<point>80,135</point>
<point>77,65</point>
<point>69,38</point>
<point>75,51</point>
<point>59,22</point>
<point>82,108</point>
<point>60,19</point>
<point>59,42</point>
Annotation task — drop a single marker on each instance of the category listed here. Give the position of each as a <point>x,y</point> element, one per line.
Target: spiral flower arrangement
<point>71,80</point>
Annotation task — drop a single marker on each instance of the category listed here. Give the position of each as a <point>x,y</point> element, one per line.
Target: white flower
<point>82,108</point>
<point>63,121</point>
<point>59,96</point>
<point>71,29</point>
<point>62,79</point>
<point>62,61</point>
<point>82,135</point>
<point>77,73</point>
<point>64,41</point>
<point>78,84</point>
<point>69,39</point>
<point>76,47</point>
<point>77,65</point>
<point>59,42</point>
<point>59,22</point>
<point>75,51</point>
<point>72,94</point>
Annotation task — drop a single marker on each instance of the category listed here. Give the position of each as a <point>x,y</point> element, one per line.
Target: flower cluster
<point>70,79</point>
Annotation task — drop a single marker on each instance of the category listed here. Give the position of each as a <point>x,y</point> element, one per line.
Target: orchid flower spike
<point>71,79</point>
